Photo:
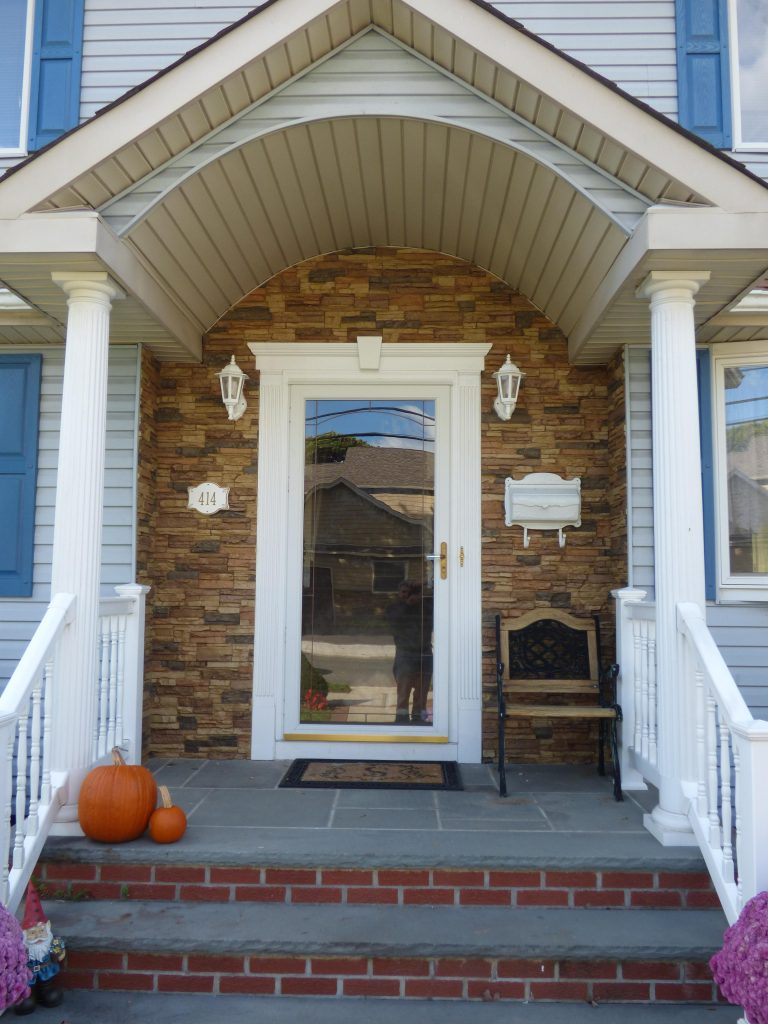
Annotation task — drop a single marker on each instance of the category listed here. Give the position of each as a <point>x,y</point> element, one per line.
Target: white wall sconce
<point>232,379</point>
<point>508,379</point>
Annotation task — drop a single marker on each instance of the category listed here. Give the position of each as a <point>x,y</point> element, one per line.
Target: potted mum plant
<point>741,966</point>
<point>14,973</point>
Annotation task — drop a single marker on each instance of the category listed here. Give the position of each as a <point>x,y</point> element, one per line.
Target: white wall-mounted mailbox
<point>542,501</point>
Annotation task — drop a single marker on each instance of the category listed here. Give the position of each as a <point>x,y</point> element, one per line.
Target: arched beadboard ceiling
<point>358,182</point>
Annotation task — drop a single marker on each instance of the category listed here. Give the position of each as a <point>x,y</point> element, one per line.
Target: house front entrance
<point>367,609</point>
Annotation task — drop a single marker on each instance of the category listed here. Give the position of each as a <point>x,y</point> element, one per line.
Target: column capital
<point>93,285</point>
<point>673,283</point>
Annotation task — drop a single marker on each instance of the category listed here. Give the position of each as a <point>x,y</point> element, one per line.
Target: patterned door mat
<point>317,773</point>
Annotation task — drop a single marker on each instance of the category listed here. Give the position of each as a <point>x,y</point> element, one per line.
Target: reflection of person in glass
<point>410,619</point>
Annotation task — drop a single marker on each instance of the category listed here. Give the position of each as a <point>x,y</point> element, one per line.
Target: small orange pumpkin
<point>116,801</point>
<point>168,823</point>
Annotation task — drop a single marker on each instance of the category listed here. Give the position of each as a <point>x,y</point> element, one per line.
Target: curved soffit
<point>356,182</point>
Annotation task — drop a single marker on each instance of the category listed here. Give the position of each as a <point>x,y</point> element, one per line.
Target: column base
<point>669,829</point>
<point>67,828</point>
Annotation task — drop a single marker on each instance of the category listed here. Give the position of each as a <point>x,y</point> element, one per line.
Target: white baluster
<point>103,692</point>
<point>21,790</point>
<point>714,820</point>
<point>737,785</point>
<point>636,686</point>
<point>644,688</point>
<point>121,631</point>
<point>701,746</point>
<point>45,787</point>
<point>34,761</point>
<point>7,733</point>
<point>653,755</point>
<point>113,659</point>
<point>725,801</point>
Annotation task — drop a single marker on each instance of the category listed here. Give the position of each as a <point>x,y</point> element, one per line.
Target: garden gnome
<point>45,953</point>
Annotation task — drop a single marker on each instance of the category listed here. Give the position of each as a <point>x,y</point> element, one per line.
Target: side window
<point>703,71</point>
<point>741,396</point>
<point>14,74</point>
<point>19,410</point>
<point>749,45</point>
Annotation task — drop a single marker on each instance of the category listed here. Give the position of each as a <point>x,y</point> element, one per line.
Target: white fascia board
<point>610,113</point>
<point>670,229</point>
<point>84,233</point>
<point>99,138</point>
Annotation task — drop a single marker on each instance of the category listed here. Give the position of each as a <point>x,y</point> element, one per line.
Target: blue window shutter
<point>703,76</point>
<point>54,105</point>
<point>703,380</point>
<point>19,408</point>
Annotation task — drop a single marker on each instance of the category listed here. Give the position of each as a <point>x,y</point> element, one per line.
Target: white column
<point>78,519</point>
<point>678,535</point>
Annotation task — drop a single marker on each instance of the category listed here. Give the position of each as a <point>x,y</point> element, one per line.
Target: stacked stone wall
<point>569,421</point>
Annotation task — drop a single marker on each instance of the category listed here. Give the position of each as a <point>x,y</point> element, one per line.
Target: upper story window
<point>17,23</point>
<point>741,409</point>
<point>749,53</point>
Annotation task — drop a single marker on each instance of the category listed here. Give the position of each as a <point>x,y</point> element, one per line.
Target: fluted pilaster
<point>678,529</point>
<point>78,516</point>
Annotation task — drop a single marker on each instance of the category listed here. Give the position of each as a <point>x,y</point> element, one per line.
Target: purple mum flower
<point>14,973</point>
<point>741,966</point>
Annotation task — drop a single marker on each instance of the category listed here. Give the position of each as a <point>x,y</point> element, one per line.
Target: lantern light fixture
<point>232,380</point>
<point>508,379</point>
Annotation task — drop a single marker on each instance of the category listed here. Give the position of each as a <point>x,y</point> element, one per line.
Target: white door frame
<point>453,369</point>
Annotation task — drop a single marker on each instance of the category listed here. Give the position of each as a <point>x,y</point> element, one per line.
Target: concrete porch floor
<point>559,815</point>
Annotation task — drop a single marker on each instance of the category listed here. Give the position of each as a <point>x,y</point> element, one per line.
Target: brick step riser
<point>402,978</point>
<point>444,887</point>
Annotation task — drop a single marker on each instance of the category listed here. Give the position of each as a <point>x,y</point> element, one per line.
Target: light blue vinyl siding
<point>19,618</point>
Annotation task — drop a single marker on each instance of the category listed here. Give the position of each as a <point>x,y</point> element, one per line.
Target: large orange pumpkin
<point>116,801</point>
<point>168,823</point>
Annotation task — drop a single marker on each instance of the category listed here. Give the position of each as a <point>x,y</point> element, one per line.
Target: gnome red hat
<point>33,910</point>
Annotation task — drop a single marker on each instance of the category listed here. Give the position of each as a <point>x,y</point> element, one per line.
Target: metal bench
<point>555,655</point>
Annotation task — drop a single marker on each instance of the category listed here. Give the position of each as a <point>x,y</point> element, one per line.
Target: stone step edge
<point>422,931</point>
<point>481,979</point>
<point>398,887</point>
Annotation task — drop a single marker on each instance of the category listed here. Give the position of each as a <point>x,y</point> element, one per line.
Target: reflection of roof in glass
<point>369,468</point>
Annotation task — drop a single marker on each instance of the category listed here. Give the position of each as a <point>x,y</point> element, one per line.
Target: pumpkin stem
<point>117,757</point>
<point>165,796</point>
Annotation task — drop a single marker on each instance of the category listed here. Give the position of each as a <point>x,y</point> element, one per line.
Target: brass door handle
<point>442,558</point>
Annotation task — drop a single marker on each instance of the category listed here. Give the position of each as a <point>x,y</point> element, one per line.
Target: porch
<point>555,894</point>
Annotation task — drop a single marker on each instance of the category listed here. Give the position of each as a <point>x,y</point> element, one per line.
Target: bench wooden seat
<point>551,653</point>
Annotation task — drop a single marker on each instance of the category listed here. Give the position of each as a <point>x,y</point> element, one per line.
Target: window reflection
<point>746,417</point>
<point>752,16</point>
<point>368,524</point>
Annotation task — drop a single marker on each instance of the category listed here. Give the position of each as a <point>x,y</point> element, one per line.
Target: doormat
<point>318,773</point>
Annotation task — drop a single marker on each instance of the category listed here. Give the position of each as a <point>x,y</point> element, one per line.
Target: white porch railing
<point>30,792</point>
<point>728,811</point>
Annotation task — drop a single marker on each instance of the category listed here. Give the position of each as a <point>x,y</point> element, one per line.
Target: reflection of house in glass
<point>367,527</point>
<point>748,500</point>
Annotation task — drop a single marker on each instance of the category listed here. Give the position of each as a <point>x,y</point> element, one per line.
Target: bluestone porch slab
<point>129,1008</point>
<point>424,931</point>
<point>474,846</point>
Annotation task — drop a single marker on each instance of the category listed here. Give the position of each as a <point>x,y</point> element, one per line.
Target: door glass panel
<point>367,588</point>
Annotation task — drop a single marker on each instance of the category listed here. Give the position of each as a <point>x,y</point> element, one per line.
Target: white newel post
<point>625,656</point>
<point>133,694</point>
<point>76,560</point>
<point>678,535</point>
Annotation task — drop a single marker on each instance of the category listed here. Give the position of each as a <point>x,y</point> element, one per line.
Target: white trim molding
<point>451,374</point>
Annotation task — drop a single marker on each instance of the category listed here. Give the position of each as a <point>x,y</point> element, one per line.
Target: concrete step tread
<point>339,929</point>
<point>396,847</point>
<point>129,1008</point>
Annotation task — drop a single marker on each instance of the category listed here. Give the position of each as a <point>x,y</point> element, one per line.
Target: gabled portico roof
<point>242,159</point>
